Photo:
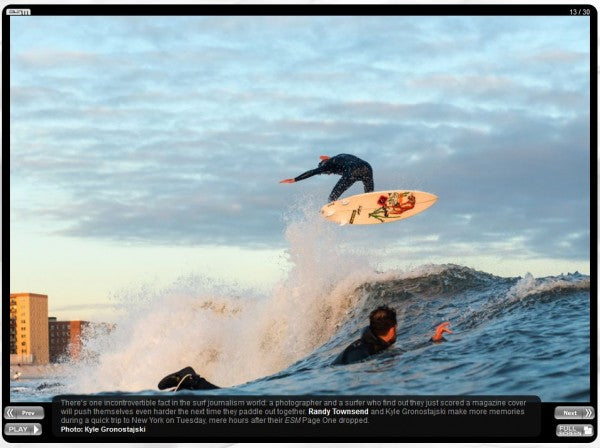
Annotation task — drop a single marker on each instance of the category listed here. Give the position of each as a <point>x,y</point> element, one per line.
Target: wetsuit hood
<point>375,341</point>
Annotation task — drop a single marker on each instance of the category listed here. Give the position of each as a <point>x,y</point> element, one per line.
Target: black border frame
<point>548,423</point>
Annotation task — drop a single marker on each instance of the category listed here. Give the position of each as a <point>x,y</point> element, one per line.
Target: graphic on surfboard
<point>378,207</point>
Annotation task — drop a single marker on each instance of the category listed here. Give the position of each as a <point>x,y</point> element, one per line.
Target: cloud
<point>559,57</point>
<point>181,136</point>
<point>80,307</point>
<point>465,84</point>
<point>49,59</point>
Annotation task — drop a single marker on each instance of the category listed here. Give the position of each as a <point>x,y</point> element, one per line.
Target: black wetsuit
<point>366,346</point>
<point>351,168</point>
<point>186,378</point>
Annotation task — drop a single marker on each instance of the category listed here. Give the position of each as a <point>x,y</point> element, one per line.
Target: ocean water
<point>520,335</point>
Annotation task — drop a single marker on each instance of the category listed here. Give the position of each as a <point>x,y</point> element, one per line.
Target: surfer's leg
<point>186,378</point>
<point>365,174</point>
<point>343,184</point>
<point>196,382</point>
<point>173,379</point>
<point>368,184</point>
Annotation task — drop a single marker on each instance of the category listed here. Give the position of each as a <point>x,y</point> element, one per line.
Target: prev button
<point>23,412</point>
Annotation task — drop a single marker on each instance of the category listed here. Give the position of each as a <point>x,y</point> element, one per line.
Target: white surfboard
<point>378,207</point>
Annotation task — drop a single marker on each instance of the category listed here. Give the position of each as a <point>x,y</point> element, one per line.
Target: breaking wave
<point>511,335</point>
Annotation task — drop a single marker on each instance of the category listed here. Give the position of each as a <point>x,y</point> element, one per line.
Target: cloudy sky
<point>146,148</point>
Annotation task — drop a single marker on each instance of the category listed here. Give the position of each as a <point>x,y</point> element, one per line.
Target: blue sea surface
<point>511,336</point>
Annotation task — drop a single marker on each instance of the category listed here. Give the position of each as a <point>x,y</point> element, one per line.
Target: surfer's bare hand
<point>287,181</point>
<point>440,330</point>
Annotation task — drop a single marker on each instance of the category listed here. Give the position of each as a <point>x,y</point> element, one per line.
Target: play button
<point>22,429</point>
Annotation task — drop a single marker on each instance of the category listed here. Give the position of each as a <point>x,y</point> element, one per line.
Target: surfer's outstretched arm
<point>303,176</point>
<point>438,335</point>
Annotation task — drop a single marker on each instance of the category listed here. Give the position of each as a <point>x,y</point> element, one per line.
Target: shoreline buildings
<point>36,339</point>
<point>29,328</point>
<point>65,338</point>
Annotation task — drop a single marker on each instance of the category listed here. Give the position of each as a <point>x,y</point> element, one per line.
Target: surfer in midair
<point>351,168</point>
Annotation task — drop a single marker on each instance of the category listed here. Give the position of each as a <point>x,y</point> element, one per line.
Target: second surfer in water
<point>378,336</point>
<point>351,168</point>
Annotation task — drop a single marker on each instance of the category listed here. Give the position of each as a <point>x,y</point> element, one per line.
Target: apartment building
<point>29,328</point>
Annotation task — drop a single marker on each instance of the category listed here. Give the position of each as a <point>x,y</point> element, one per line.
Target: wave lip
<point>511,336</point>
<point>563,284</point>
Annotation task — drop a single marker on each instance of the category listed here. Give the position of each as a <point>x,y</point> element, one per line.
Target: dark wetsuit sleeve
<point>199,383</point>
<point>436,342</point>
<point>353,356</point>
<point>309,173</point>
<point>355,352</point>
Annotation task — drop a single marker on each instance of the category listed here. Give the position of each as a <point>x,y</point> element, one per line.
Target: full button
<point>575,431</point>
<point>574,413</point>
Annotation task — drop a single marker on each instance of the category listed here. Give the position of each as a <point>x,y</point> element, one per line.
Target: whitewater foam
<point>232,335</point>
<point>529,286</point>
<point>229,335</point>
<point>511,336</point>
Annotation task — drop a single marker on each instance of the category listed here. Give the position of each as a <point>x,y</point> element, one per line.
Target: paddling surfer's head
<point>383,323</point>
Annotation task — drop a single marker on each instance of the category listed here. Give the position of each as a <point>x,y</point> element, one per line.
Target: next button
<point>574,413</point>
